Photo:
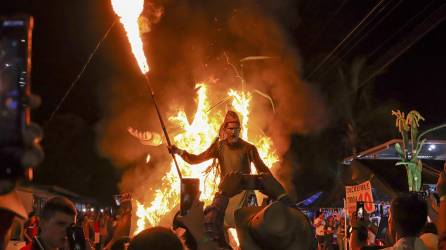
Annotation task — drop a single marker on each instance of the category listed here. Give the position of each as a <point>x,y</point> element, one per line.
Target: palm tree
<point>361,118</point>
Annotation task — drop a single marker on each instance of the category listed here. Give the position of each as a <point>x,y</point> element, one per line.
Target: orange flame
<point>195,137</point>
<point>129,12</point>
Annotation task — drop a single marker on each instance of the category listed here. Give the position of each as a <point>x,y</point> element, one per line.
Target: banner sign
<point>360,192</point>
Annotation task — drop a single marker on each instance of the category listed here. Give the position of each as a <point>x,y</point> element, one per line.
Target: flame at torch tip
<point>129,12</point>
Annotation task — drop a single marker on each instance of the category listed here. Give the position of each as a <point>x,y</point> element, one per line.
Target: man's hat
<point>230,117</point>
<point>276,226</point>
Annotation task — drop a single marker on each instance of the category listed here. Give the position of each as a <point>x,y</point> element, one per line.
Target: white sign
<point>360,192</point>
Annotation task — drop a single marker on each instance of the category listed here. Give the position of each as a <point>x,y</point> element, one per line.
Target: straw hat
<point>276,226</point>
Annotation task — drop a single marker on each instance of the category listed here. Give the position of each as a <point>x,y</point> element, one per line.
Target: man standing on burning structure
<point>234,157</point>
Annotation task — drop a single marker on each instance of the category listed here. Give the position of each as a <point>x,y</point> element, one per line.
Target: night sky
<point>66,32</point>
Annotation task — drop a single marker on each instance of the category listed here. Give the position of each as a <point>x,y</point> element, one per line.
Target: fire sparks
<point>129,12</point>
<point>195,137</point>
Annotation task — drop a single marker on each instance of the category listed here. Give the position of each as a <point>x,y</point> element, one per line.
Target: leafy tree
<point>355,111</point>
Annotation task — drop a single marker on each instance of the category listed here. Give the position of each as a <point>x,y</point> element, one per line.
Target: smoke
<point>188,45</point>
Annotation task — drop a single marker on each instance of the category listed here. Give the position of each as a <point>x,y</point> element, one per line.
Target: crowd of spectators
<point>408,225</point>
<point>330,230</point>
<point>275,225</point>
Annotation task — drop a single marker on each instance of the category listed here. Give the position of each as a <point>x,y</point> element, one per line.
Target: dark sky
<point>67,31</point>
<point>414,79</point>
<point>417,79</point>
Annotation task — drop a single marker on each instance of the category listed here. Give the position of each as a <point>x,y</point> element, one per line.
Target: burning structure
<point>196,136</point>
<point>297,107</point>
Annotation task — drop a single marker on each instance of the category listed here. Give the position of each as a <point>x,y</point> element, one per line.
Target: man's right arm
<point>209,153</point>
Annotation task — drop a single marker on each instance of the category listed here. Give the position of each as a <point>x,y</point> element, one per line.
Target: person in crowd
<point>119,235</point>
<point>360,234</point>
<point>92,228</point>
<point>319,225</point>
<point>358,237</point>
<point>122,223</point>
<point>10,208</point>
<point>184,233</point>
<point>96,229</point>
<point>329,231</point>
<point>372,230</point>
<point>340,233</point>
<point>163,238</point>
<point>102,229</point>
<point>156,238</point>
<point>57,215</point>
<point>31,227</point>
<point>429,236</point>
<point>275,226</point>
<point>441,223</point>
<point>190,228</point>
<point>88,227</point>
<point>404,223</point>
<point>106,228</point>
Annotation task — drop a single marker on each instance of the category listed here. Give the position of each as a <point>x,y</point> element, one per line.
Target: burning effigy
<point>195,136</point>
<point>157,200</point>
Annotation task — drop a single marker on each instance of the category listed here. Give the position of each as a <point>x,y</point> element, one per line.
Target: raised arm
<point>209,153</point>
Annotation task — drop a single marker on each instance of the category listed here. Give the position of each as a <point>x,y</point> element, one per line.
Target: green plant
<point>411,146</point>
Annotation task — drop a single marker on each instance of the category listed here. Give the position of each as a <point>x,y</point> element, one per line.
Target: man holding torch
<point>233,153</point>
<point>234,156</point>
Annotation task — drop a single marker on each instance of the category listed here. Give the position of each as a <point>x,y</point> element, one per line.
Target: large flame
<point>195,138</point>
<point>129,12</point>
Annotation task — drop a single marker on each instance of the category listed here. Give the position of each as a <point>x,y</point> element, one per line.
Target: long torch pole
<point>152,93</point>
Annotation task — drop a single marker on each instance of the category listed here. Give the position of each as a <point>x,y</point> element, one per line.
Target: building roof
<point>381,160</point>
<point>431,150</point>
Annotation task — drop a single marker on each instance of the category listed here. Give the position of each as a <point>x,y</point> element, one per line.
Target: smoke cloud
<point>193,42</point>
